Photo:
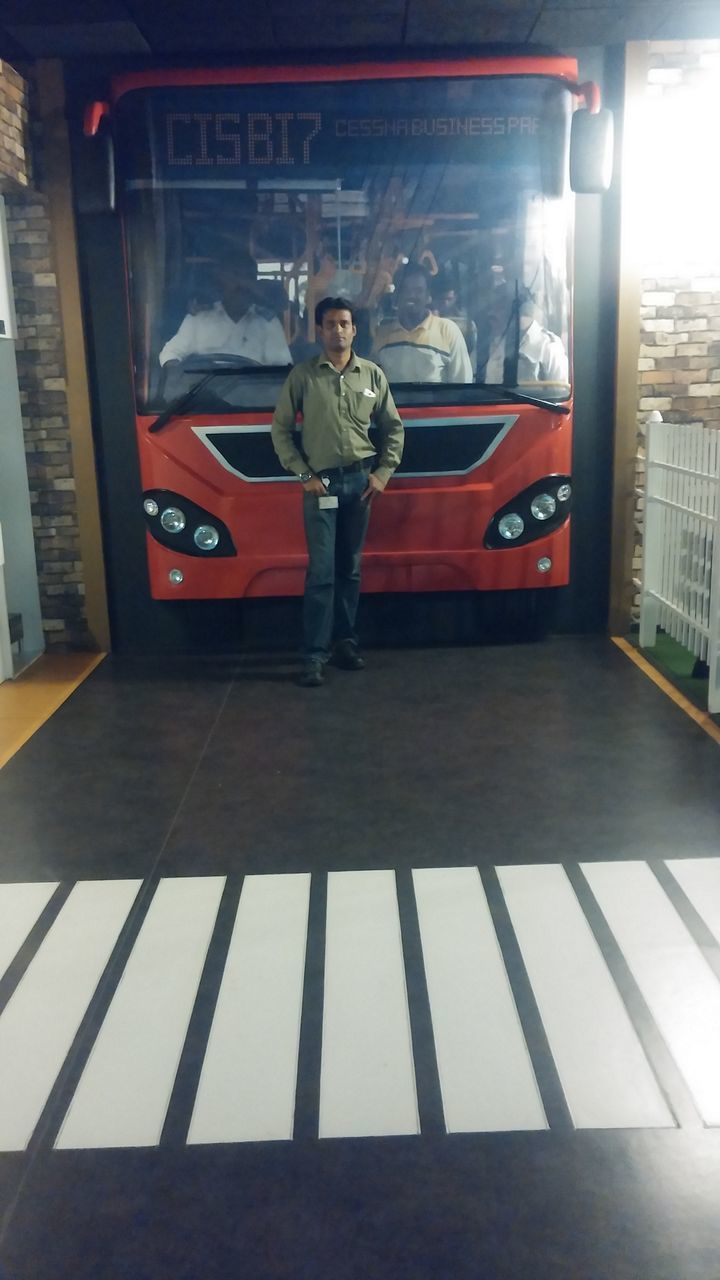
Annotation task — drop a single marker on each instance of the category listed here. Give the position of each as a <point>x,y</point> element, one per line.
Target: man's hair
<point>239,262</point>
<point>443,283</point>
<point>408,271</point>
<point>332,304</point>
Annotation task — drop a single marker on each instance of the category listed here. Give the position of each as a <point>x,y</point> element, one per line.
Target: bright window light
<point>672,154</point>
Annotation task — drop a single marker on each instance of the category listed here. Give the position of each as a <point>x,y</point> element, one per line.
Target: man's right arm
<point>458,368</point>
<point>183,344</point>
<point>288,406</point>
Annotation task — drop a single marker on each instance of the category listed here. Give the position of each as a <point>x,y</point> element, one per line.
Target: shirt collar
<point>532,336</point>
<point>250,314</point>
<point>353,363</point>
<point>424,324</point>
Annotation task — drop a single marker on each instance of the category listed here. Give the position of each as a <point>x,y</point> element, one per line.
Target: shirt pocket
<point>361,405</point>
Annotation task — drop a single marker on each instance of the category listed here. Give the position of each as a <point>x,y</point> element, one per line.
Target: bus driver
<point>234,326</point>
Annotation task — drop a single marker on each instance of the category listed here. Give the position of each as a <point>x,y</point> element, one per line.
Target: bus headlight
<point>511,526</point>
<point>184,527</point>
<point>543,506</point>
<point>173,520</point>
<point>537,511</point>
<point>206,537</point>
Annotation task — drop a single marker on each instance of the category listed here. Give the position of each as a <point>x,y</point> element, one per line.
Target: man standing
<point>339,396</point>
<point>419,346</point>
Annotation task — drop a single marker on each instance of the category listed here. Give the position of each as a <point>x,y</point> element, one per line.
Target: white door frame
<point>6,661</point>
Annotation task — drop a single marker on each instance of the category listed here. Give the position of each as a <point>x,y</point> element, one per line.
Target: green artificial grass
<point>676,663</point>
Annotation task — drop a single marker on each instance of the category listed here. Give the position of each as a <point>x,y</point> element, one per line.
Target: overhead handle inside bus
<point>591,142</point>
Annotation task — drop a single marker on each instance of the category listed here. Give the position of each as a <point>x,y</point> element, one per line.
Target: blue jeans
<point>335,538</point>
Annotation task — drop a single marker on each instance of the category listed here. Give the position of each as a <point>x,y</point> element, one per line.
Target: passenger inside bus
<point>416,345</point>
<point>234,324</point>
<point>505,319</point>
<point>446,302</point>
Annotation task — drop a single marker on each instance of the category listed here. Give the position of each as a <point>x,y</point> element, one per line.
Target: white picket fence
<point>680,588</point>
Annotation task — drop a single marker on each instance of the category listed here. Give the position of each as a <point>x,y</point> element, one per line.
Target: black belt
<point>363,464</point>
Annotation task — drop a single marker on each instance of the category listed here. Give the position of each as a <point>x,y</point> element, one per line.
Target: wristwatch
<point>305,476</point>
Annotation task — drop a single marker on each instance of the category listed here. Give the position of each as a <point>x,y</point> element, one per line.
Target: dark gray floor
<point>562,751</point>
<point>467,755</point>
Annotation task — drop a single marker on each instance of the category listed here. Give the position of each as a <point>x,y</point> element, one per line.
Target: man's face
<point>337,331</point>
<point>235,288</point>
<point>413,300</point>
<point>498,309</point>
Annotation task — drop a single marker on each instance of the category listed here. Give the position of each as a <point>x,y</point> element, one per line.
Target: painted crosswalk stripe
<point>699,878</point>
<point>486,1076</point>
<point>42,1017</point>
<point>20,907</point>
<point>606,1078</point>
<point>679,987</point>
<point>125,1090</point>
<point>367,1077</point>
<point>247,1086</point>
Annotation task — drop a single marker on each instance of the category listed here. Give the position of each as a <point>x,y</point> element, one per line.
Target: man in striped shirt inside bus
<point>418,346</point>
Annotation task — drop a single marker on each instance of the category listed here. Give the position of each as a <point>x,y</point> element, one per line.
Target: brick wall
<point>14,157</point>
<point>679,361</point>
<point>41,374</point>
<point>679,364</point>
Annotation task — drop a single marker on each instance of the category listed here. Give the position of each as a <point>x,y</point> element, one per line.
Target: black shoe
<point>312,675</point>
<point>347,656</point>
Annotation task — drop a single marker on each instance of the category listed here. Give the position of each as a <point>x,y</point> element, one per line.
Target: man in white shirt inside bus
<point>418,346</point>
<point>541,356</point>
<point>234,326</point>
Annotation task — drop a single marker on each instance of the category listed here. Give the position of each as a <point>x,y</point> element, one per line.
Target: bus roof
<point>553,65</point>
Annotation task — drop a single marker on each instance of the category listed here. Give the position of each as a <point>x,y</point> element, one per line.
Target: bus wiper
<point>181,402</point>
<point>490,390</point>
<point>519,397</point>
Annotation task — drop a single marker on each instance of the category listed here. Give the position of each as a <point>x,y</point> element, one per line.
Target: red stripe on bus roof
<point>560,67</point>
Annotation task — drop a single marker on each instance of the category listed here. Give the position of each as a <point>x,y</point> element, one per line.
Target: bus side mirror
<point>95,162</point>
<point>591,151</point>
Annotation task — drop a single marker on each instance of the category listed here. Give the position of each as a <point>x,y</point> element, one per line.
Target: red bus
<point>246,195</point>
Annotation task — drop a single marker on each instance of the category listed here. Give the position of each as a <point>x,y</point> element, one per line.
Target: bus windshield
<point>438,208</point>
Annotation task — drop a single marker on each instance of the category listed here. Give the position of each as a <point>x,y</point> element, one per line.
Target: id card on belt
<point>326,502</point>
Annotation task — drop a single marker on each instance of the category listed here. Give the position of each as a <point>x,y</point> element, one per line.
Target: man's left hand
<point>374,486</point>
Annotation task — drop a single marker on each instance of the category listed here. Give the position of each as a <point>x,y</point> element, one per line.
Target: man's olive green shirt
<point>337,411</point>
